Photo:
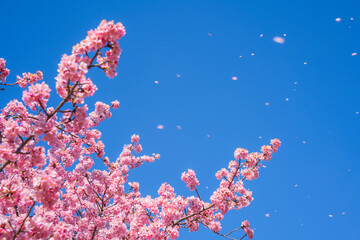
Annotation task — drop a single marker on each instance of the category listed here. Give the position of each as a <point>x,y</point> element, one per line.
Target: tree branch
<point>23,222</point>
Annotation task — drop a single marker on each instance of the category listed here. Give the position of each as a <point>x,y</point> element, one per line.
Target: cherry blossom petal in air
<point>160,126</point>
<point>234,78</point>
<point>338,19</point>
<point>278,39</point>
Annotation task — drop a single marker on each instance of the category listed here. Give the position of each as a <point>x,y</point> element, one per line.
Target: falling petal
<point>160,126</point>
<point>267,104</point>
<point>330,215</point>
<point>303,142</point>
<point>178,127</point>
<point>354,54</point>
<point>156,82</point>
<point>338,19</point>
<point>178,75</point>
<point>267,215</point>
<point>286,99</point>
<point>278,39</point>
<point>261,35</point>
<point>252,54</point>
<point>343,213</point>
<point>210,35</point>
<point>305,63</point>
<point>208,135</point>
<point>234,78</point>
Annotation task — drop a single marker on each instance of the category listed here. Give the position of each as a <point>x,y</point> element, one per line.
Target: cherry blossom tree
<point>41,198</point>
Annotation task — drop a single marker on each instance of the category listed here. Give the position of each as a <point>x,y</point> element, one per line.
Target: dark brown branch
<point>23,222</point>
<point>232,231</point>
<point>93,234</point>
<point>227,235</point>
<point>191,215</point>
<point>72,89</point>
<point>17,151</point>
<point>8,84</point>
<point>4,165</point>
<point>92,60</point>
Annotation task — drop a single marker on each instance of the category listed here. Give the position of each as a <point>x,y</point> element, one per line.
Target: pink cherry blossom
<point>49,182</point>
<point>135,138</point>
<point>246,226</point>
<point>240,153</point>
<point>4,72</point>
<point>29,78</point>
<point>37,96</point>
<point>275,144</point>
<point>115,104</point>
<point>190,179</point>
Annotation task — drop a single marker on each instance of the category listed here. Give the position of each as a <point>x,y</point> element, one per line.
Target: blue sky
<point>316,172</point>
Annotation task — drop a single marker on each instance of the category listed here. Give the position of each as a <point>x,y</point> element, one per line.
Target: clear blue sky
<point>315,174</point>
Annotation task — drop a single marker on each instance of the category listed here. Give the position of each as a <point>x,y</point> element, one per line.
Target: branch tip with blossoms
<point>73,199</point>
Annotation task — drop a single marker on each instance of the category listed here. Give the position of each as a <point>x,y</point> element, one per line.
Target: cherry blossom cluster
<point>29,78</point>
<point>246,226</point>
<point>74,67</point>
<point>49,187</point>
<point>36,95</point>
<point>4,72</point>
<point>106,35</point>
<point>190,179</point>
